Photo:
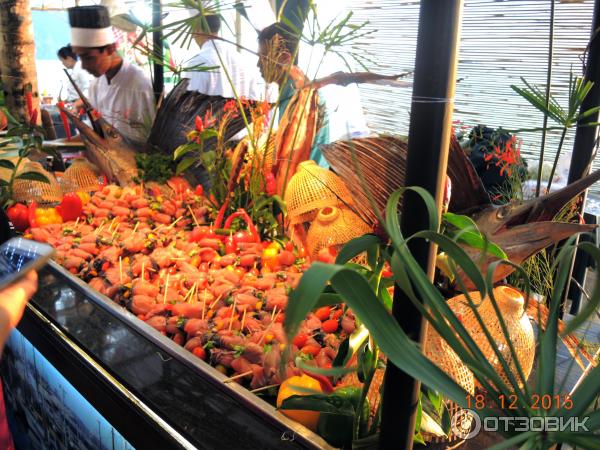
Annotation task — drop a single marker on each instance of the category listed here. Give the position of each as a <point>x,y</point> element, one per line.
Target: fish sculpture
<point>375,167</point>
<point>109,150</point>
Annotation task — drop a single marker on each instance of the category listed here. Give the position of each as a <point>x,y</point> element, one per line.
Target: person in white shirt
<point>71,62</point>
<point>216,56</point>
<point>121,92</point>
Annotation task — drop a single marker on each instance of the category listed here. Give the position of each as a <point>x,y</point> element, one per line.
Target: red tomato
<point>329,326</point>
<point>300,340</point>
<point>19,216</point>
<point>199,190</point>
<point>311,350</point>
<point>323,313</point>
<point>199,352</point>
<point>243,236</point>
<point>289,246</point>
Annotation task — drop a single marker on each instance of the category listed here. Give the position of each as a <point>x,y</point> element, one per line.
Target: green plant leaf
<point>356,246</point>
<point>350,346</point>
<point>182,150</point>
<point>33,176</point>
<point>7,164</point>
<point>329,404</point>
<point>185,164</point>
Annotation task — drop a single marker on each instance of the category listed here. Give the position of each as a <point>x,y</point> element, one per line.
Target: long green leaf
<point>356,246</point>
<point>592,305</point>
<point>33,176</point>
<point>359,296</point>
<point>329,404</point>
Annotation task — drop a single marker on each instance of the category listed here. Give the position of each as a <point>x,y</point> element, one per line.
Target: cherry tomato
<point>329,326</point>
<point>337,313</point>
<point>323,313</point>
<point>300,340</point>
<point>199,352</point>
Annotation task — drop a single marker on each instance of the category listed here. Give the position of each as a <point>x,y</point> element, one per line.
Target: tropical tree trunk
<point>17,56</point>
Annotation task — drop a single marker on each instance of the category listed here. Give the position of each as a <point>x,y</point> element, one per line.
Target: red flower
<point>199,124</point>
<point>507,157</point>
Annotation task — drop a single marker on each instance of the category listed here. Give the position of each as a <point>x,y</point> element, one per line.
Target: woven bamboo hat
<point>334,226</point>
<point>312,188</point>
<point>38,191</point>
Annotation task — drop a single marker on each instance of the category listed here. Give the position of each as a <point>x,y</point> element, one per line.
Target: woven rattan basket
<point>510,303</point>
<point>312,188</point>
<point>333,227</point>
<point>82,175</point>
<point>29,190</point>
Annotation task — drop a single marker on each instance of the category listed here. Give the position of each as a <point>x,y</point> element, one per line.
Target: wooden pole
<point>17,56</point>
<point>157,47</point>
<point>428,144</point>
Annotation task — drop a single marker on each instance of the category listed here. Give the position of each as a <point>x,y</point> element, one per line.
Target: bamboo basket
<point>28,190</point>
<point>511,305</point>
<point>333,227</point>
<point>313,188</point>
<point>82,175</point>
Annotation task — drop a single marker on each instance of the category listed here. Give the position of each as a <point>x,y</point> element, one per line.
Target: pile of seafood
<point>221,296</point>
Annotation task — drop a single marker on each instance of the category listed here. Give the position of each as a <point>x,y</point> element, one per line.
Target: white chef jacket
<point>241,67</point>
<point>127,103</point>
<point>81,78</point>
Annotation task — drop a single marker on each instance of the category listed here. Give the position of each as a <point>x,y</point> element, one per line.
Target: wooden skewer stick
<point>243,319</point>
<point>143,267</point>
<point>76,223</point>
<point>203,303</point>
<point>191,291</point>
<point>268,328</point>
<point>215,302</point>
<point>239,375</point>
<point>264,388</point>
<point>273,313</point>
<point>193,216</point>
<point>136,227</point>
<point>173,224</point>
<point>233,314</point>
<point>121,270</point>
<point>111,224</point>
<point>166,289</point>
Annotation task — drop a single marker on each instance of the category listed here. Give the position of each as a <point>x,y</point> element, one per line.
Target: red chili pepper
<point>270,184</point>
<point>221,214</point>
<point>323,381</point>
<point>230,245</point>
<point>199,190</point>
<point>33,117</point>
<point>64,119</point>
<point>29,102</point>
<point>31,211</point>
<point>244,215</point>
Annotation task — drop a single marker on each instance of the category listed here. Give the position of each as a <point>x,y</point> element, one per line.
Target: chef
<point>216,57</point>
<point>120,92</point>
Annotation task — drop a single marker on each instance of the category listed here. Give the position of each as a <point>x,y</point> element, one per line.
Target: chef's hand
<point>12,303</point>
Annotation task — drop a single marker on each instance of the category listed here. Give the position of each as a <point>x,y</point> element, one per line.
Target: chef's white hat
<point>90,26</point>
